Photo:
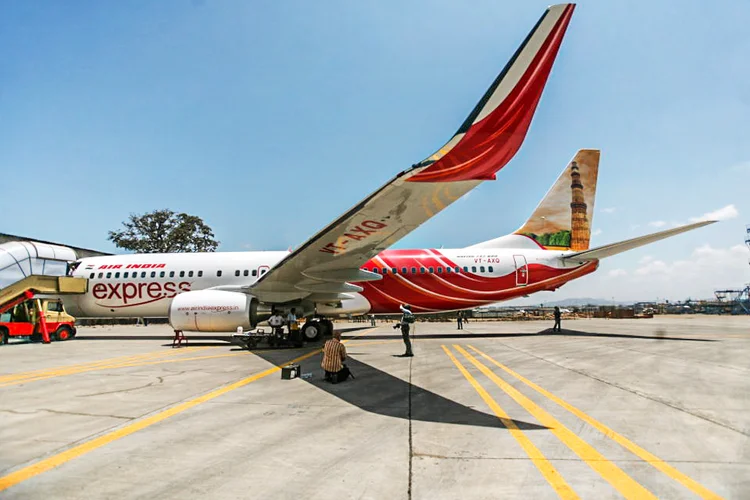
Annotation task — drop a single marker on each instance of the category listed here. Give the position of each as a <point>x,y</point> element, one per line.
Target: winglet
<point>624,246</point>
<point>496,127</point>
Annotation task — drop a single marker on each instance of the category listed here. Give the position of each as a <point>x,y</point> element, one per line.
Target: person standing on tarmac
<point>277,324</point>
<point>460,320</point>
<point>406,320</point>
<point>556,328</point>
<point>291,320</point>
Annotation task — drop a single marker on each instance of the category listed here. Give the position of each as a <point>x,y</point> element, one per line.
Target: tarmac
<point>646,408</point>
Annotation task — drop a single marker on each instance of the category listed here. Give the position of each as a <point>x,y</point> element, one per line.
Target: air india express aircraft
<point>346,268</point>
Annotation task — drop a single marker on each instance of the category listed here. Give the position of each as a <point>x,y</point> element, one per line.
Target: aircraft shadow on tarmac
<point>378,392</point>
<point>547,332</point>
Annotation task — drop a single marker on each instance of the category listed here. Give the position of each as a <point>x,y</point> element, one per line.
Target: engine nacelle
<point>215,311</point>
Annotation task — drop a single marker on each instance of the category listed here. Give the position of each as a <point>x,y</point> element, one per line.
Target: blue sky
<point>269,119</point>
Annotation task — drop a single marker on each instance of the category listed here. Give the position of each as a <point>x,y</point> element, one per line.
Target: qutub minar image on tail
<point>579,222</point>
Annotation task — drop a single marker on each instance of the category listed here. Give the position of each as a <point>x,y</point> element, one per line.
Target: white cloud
<point>645,259</point>
<point>596,232</point>
<point>724,213</point>
<point>657,223</point>
<point>609,210</point>
<point>741,167</point>
<point>614,273</point>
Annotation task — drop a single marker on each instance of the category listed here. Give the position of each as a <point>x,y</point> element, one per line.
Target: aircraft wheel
<point>312,331</point>
<point>63,333</point>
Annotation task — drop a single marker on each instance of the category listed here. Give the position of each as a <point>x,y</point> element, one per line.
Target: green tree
<point>164,231</point>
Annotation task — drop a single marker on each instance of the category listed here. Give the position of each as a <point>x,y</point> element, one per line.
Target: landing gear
<point>312,330</point>
<point>316,328</point>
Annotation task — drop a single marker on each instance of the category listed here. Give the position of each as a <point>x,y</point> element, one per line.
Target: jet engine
<point>216,311</point>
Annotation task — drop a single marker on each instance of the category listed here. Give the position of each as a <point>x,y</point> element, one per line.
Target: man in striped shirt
<point>334,354</point>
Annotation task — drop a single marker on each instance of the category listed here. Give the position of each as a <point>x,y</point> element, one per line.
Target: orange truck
<point>24,320</point>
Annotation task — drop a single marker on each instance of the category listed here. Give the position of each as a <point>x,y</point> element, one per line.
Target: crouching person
<point>334,355</point>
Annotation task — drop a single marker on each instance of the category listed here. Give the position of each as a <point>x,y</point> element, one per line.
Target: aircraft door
<point>522,270</point>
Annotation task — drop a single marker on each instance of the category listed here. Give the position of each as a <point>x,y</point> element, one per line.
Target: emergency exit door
<point>522,270</point>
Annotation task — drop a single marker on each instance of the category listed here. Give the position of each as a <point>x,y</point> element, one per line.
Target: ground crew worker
<point>460,320</point>
<point>277,324</point>
<point>556,328</point>
<point>372,320</point>
<point>334,355</point>
<point>291,320</point>
<point>406,320</point>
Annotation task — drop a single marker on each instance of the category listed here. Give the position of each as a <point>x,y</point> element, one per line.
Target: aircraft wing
<point>330,260</point>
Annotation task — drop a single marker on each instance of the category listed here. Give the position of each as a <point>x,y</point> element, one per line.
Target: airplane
<point>347,268</point>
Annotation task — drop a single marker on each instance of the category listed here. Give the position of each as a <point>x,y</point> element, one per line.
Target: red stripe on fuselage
<point>450,291</point>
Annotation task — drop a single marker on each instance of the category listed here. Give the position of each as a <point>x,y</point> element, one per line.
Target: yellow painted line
<point>621,481</point>
<point>84,368</point>
<point>63,369</point>
<point>130,365</point>
<point>49,463</point>
<point>553,477</point>
<point>652,459</point>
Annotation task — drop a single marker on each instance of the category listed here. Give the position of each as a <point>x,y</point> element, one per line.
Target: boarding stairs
<point>31,286</point>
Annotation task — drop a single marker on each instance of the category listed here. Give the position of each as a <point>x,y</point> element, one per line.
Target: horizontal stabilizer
<point>624,246</point>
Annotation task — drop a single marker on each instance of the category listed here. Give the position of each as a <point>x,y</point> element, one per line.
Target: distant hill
<point>586,301</point>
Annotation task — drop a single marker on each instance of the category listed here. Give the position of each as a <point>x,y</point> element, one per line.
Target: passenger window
<point>414,270</point>
<point>218,273</point>
<point>182,274</point>
<point>255,272</point>
<point>466,269</point>
<point>490,269</point>
<point>94,274</point>
<point>473,269</point>
<point>432,270</point>
<point>200,274</point>
<point>190,274</point>
<point>385,270</point>
<point>481,268</point>
<point>109,275</point>
<point>421,270</point>
<point>457,269</point>
<point>171,274</point>
<point>162,274</point>
<point>263,272</point>
<point>237,272</point>
<point>143,274</point>
<point>117,275</point>
<point>447,269</point>
<point>394,270</point>
<point>245,273</point>
<point>153,274</point>
<point>375,270</point>
<point>124,275</point>
<point>440,270</point>
<point>403,271</point>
